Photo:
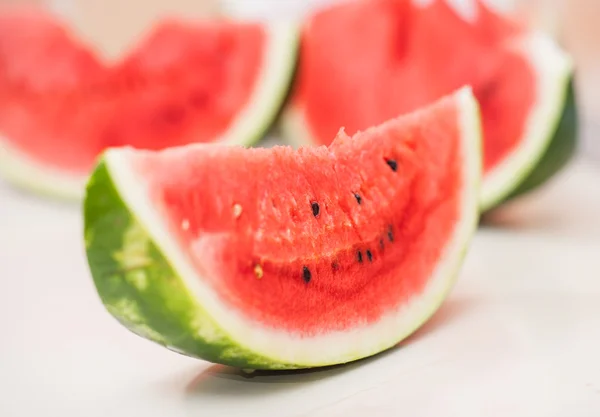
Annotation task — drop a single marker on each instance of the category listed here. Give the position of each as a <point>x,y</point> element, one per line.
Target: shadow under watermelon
<point>222,382</point>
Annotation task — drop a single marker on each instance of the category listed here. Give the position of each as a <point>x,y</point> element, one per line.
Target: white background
<point>519,336</point>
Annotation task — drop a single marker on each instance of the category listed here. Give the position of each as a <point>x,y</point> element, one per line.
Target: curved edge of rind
<point>269,96</point>
<point>554,72</point>
<point>242,343</point>
<point>20,170</point>
<point>139,288</point>
<point>561,150</point>
<point>472,135</point>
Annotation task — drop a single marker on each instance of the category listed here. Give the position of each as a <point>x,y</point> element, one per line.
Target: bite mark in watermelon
<point>280,258</point>
<point>361,62</point>
<point>186,82</point>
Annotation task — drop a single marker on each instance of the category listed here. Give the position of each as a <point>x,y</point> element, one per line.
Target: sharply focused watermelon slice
<point>363,62</point>
<point>60,105</point>
<point>282,258</point>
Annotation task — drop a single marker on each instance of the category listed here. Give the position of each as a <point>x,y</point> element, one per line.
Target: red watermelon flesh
<point>392,56</point>
<point>323,238</point>
<point>60,105</point>
<point>189,82</point>
<point>288,258</point>
<point>41,69</point>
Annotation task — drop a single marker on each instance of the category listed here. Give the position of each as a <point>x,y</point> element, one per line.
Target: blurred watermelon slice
<point>362,62</point>
<point>61,106</point>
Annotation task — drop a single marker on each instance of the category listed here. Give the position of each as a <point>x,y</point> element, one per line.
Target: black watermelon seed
<point>359,257</point>
<point>335,266</point>
<point>393,164</point>
<point>381,244</point>
<point>358,198</point>
<point>306,275</point>
<point>315,208</point>
<point>390,234</point>
<point>369,256</point>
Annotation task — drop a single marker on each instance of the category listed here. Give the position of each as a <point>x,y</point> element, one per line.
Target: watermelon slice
<point>279,258</point>
<point>362,62</point>
<point>186,82</point>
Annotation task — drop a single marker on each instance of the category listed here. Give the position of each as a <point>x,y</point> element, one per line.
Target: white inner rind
<point>332,347</point>
<point>271,89</point>
<point>253,120</point>
<point>22,170</point>
<point>553,69</point>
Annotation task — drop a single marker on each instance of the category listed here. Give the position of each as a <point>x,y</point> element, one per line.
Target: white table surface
<point>519,335</point>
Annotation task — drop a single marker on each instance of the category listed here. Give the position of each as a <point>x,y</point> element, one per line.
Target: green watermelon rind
<point>138,286</point>
<point>149,286</point>
<point>559,153</point>
<point>541,145</point>
<point>251,125</point>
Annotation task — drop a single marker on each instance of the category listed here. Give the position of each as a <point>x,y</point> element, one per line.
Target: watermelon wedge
<point>273,258</point>
<point>362,62</point>
<point>185,82</point>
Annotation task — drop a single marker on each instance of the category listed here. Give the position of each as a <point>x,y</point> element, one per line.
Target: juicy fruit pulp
<point>288,258</point>
<point>187,82</point>
<point>392,56</point>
